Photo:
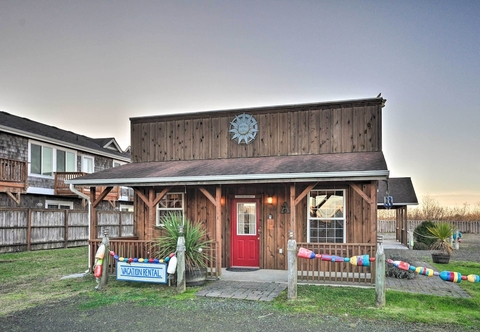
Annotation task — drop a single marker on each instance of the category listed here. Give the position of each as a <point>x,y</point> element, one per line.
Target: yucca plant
<point>442,232</point>
<point>195,240</point>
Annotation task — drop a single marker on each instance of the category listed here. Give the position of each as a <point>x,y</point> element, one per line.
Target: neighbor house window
<point>170,203</point>
<point>62,205</point>
<point>88,164</point>
<point>326,216</point>
<point>45,159</point>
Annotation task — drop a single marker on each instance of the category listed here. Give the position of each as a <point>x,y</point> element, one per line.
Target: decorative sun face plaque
<point>244,128</point>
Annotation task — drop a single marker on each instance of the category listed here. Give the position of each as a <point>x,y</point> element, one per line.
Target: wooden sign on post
<point>143,272</point>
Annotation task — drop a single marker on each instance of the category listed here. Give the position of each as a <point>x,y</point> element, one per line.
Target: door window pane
<point>60,161</point>
<point>35,159</point>
<point>246,219</point>
<point>71,162</point>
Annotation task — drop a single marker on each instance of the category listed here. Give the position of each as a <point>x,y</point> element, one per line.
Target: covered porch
<point>212,191</point>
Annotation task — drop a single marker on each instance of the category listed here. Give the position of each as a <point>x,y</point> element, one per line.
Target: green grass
<point>33,278</point>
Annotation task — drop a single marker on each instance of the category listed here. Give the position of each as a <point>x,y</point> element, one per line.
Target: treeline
<point>430,209</point>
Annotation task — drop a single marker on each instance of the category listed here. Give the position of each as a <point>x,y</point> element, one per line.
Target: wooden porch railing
<point>316,270</point>
<point>131,247</point>
<point>63,189</point>
<point>13,175</point>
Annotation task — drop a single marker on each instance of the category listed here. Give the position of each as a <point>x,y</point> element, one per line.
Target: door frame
<point>233,224</point>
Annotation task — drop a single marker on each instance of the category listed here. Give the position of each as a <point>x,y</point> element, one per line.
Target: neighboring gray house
<point>36,158</point>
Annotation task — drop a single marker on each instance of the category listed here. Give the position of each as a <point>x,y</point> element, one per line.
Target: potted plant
<point>442,232</point>
<point>195,246</point>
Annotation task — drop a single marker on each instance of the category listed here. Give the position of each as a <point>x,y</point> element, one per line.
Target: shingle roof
<point>47,132</point>
<point>401,189</point>
<point>359,165</point>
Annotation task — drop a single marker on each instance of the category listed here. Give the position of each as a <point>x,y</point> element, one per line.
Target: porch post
<point>293,217</point>
<point>181,282</point>
<point>380,273</point>
<point>292,266</point>
<point>218,229</point>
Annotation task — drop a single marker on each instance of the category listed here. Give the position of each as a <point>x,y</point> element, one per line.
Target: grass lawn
<point>33,278</point>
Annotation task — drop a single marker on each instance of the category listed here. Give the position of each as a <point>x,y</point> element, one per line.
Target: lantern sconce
<point>387,199</point>
<point>222,201</point>
<point>270,199</point>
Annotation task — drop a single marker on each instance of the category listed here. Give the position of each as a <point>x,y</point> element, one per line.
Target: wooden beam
<point>15,197</point>
<point>304,193</point>
<point>361,193</point>
<point>209,196</point>
<point>141,196</point>
<point>151,214</point>
<point>373,209</point>
<point>102,195</point>
<point>161,195</point>
<point>93,214</point>
<point>293,225</point>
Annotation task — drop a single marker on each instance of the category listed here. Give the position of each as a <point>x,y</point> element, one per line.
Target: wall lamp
<point>270,199</point>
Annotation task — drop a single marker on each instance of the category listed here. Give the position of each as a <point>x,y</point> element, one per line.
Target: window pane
<point>60,161</point>
<point>35,159</point>
<point>246,219</point>
<point>47,161</point>
<point>87,165</point>
<point>71,162</point>
<point>326,216</point>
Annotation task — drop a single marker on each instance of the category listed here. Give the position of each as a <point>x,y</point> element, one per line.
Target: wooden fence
<point>23,229</point>
<point>388,226</point>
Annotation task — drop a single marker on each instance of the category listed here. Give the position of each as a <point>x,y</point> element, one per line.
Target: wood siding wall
<point>293,131</point>
<point>360,228</point>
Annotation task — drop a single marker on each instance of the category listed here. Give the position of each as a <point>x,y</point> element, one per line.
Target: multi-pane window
<point>170,203</point>
<point>326,217</point>
<point>246,219</point>
<point>44,160</point>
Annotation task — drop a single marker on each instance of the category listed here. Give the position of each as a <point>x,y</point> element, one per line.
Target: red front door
<point>245,238</point>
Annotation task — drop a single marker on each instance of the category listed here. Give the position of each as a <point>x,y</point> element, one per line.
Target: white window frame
<point>167,209</point>
<point>125,208</point>
<point>311,218</point>
<point>54,158</point>
<point>118,163</point>
<point>50,202</point>
<point>84,158</point>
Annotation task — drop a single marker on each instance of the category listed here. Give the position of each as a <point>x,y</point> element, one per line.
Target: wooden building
<point>252,175</point>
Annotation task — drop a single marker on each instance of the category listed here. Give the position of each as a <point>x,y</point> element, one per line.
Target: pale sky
<point>88,66</point>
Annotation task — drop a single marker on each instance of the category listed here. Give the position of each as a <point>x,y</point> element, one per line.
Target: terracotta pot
<point>441,258</point>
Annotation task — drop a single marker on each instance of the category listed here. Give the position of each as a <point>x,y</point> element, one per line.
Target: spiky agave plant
<point>442,232</point>
<point>196,243</point>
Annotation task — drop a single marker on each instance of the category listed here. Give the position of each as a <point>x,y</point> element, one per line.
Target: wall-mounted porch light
<point>270,199</point>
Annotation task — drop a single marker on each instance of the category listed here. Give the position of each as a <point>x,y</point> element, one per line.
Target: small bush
<point>395,272</point>
<point>422,234</point>
<point>420,246</point>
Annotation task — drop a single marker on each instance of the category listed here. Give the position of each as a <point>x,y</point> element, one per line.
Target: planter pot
<point>441,258</point>
<point>195,276</point>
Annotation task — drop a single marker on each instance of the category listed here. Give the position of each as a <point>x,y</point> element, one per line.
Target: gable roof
<point>35,130</point>
<point>298,168</point>
<point>401,189</point>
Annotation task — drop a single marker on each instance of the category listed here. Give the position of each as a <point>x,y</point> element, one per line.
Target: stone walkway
<point>244,290</point>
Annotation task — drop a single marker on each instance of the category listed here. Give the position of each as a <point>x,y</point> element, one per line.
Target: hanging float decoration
<point>444,275</point>
<point>98,266</point>
<point>361,260</point>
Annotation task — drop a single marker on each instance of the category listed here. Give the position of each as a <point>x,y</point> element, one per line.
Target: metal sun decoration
<point>244,128</point>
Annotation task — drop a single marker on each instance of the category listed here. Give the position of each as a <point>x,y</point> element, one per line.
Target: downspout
<point>82,195</point>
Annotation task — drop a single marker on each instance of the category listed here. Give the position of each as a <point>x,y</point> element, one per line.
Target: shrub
<point>395,272</point>
<point>420,246</point>
<point>422,234</point>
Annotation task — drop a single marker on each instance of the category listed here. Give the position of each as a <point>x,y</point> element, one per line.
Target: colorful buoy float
<point>449,276</point>
<point>361,260</point>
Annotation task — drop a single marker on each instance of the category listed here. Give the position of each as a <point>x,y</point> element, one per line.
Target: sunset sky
<point>88,66</point>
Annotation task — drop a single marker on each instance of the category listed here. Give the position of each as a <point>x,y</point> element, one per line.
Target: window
<point>44,160</point>
<point>326,217</point>
<point>87,164</point>
<point>170,203</point>
<point>62,205</point>
<point>126,208</point>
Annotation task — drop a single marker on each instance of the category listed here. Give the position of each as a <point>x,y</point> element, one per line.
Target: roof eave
<point>232,179</point>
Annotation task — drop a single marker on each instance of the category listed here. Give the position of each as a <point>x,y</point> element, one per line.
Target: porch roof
<point>401,189</point>
<point>299,168</point>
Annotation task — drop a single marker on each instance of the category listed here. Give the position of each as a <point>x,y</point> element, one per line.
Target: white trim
<point>209,178</point>
<point>40,191</point>
<point>61,143</point>
<point>55,202</point>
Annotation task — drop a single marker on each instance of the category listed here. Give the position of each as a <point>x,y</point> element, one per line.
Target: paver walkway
<point>244,290</point>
